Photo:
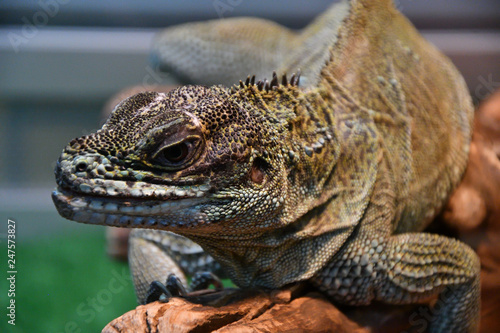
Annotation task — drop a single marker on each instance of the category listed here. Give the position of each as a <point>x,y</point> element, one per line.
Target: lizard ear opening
<point>258,171</point>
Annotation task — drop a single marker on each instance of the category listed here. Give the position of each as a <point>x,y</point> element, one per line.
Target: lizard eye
<point>177,155</point>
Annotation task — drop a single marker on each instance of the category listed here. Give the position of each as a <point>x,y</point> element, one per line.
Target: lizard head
<point>193,157</point>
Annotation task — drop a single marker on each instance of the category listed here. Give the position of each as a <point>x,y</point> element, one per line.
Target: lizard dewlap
<point>330,179</point>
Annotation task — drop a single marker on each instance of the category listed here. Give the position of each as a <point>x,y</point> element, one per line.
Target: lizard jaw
<point>127,212</point>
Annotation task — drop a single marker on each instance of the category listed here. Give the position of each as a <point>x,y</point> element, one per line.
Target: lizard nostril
<point>81,166</point>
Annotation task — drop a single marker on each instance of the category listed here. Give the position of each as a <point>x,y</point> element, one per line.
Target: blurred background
<point>61,60</point>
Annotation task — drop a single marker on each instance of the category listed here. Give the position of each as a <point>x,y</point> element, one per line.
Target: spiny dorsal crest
<point>275,98</point>
<point>265,85</point>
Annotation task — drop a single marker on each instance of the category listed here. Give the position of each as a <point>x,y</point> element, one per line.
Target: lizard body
<point>330,181</point>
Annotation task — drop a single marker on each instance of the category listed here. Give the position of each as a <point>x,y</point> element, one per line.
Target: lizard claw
<point>163,292</point>
<point>175,286</point>
<point>202,280</point>
<point>157,292</point>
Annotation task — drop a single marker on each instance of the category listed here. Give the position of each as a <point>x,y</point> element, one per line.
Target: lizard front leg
<point>154,255</point>
<point>406,268</point>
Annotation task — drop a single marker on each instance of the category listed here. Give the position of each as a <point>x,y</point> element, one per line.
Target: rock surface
<point>250,311</point>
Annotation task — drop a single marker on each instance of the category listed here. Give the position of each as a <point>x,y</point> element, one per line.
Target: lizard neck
<point>305,124</point>
<point>318,181</point>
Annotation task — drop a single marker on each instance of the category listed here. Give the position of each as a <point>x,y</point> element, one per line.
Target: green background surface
<point>66,283</point>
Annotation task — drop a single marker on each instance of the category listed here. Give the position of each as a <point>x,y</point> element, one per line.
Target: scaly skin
<point>329,181</point>
<point>225,51</point>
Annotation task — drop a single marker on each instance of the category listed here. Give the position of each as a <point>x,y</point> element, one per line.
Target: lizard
<point>221,52</point>
<point>329,181</point>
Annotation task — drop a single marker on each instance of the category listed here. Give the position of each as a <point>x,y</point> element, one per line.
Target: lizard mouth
<point>129,207</point>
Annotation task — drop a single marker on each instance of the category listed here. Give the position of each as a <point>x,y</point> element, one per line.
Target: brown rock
<point>245,311</point>
<point>117,243</point>
<point>474,208</point>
